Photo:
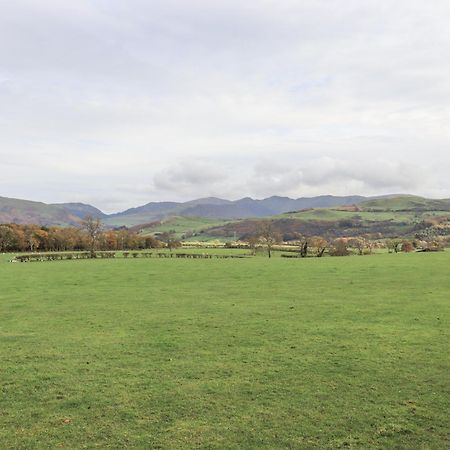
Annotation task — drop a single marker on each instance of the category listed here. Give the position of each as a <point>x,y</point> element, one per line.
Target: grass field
<point>330,214</point>
<point>320,353</point>
<point>407,202</point>
<point>181,225</point>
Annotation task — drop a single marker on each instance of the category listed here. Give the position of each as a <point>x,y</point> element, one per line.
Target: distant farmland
<point>406,217</point>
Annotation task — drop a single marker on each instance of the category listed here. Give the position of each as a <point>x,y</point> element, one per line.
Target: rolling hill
<point>217,208</point>
<point>218,215</point>
<point>406,203</point>
<point>28,212</point>
<point>81,210</point>
<point>13,210</point>
<point>395,217</point>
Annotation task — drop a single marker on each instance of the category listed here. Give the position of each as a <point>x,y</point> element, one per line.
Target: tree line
<point>90,236</point>
<point>267,237</point>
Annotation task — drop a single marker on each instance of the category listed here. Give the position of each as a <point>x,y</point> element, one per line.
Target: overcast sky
<point>118,103</point>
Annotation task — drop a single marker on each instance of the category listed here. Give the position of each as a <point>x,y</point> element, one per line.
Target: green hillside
<point>403,216</point>
<point>335,214</point>
<point>183,225</point>
<point>407,203</point>
<point>389,216</point>
<point>24,212</point>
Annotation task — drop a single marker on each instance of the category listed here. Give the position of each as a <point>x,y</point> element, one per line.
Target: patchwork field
<point>237,354</point>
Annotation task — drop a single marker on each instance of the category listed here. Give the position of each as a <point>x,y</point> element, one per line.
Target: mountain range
<point>65,214</point>
<point>213,207</point>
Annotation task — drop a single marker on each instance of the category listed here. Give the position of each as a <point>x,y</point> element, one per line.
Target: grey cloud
<point>188,174</point>
<point>316,176</point>
<point>375,174</point>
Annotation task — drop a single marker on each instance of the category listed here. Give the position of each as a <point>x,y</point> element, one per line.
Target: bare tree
<point>339,247</point>
<point>253,242</point>
<point>304,248</point>
<point>393,245</point>
<point>320,244</point>
<point>7,238</point>
<point>268,236</point>
<point>169,238</point>
<point>93,228</point>
<point>407,246</point>
<point>359,244</point>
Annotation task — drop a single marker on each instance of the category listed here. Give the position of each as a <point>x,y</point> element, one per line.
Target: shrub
<point>407,246</point>
<point>339,248</point>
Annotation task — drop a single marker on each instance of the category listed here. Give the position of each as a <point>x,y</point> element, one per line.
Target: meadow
<point>180,225</point>
<point>317,353</point>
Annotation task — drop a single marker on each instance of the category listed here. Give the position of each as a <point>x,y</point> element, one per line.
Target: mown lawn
<point>236,354</point>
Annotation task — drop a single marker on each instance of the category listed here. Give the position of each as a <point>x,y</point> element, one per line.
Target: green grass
<point>334,215</point>
<point>330,214</point>
<point>208,238</point>
<point>405,202</point>
<point>182,225</point>
<point>320,353</point>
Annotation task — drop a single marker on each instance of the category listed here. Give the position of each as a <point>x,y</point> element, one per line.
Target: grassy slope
<point>24,211</point>
<point>317,353</point>
<point>182,225</point>
<point>126,221</point>
<point>396,209</point>
<point>402,212</point>
<point>407,202</point>
<point>333,215</point>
